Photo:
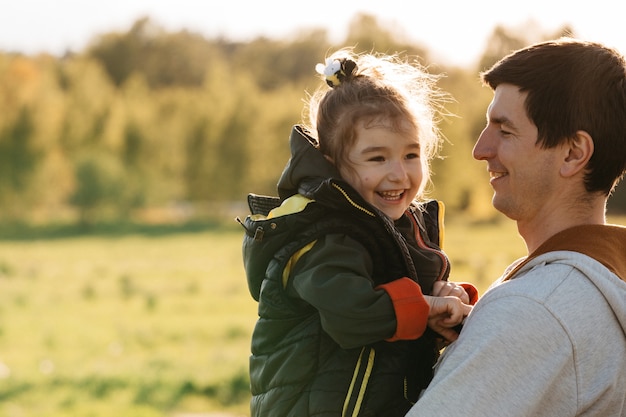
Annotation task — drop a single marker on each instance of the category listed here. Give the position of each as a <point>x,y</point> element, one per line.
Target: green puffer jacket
<point>327,353</point>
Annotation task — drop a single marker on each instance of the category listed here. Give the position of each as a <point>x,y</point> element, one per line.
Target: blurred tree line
<point>149,119</point>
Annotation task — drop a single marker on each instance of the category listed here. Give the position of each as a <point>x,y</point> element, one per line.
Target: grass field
<point>145,325</point>
<point>124,326</point>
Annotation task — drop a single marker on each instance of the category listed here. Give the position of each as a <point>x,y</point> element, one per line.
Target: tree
<point>18,161</point>
<point>99,187</point>
<point>273,64</point>
<point>164,59</point>
<point>367,34</point>
<point>501,43</point>
<point>503,40</point>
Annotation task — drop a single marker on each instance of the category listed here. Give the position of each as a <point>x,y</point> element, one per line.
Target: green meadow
<point>131,325</point>
<point>141,324</point>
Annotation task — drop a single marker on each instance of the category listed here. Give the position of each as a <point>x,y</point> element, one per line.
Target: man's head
<point>573,86</point>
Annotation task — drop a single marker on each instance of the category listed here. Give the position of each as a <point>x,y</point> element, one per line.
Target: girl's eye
<point>378,158</point>
<point>413,156</point>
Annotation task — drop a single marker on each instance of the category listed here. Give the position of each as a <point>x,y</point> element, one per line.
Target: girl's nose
<point>398,171</point>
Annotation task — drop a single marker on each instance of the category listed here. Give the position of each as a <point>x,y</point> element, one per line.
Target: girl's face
<point>384,166</point>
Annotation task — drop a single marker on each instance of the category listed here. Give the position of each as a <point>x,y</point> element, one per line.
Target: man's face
<point>523,175</point>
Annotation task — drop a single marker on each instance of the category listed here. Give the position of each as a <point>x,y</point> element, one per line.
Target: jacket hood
<point>306,168</point>
<point>599,248</point>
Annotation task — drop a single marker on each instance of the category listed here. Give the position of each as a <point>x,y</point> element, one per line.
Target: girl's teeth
<point>390,196</point>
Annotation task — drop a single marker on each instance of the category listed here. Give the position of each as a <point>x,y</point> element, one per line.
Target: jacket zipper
<point>423,245</point>
<point>418,235</point>
<point>363,209</point>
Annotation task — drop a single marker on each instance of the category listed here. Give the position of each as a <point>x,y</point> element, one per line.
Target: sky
<point>455,32</point>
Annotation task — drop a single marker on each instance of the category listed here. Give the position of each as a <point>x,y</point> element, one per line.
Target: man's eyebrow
<point>502,120</point>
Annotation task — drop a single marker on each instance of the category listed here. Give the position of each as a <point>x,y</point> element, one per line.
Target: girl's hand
<point>447,288</point>
<point>445,313</point>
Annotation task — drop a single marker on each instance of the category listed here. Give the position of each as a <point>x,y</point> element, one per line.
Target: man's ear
<point>579,150</point>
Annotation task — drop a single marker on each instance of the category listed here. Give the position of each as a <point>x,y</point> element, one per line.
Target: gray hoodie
<point>548,339</point>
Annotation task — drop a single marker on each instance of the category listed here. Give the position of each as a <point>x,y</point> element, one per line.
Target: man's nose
<point>484,147</point>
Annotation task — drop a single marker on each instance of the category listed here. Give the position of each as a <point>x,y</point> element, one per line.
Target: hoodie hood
<point>306,168</point>
<point>605,244</point>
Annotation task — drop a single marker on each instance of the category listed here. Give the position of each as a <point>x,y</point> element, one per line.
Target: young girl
<point>347,270</point>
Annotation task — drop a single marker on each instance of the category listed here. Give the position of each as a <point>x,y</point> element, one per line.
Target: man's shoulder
<point>546,279</point>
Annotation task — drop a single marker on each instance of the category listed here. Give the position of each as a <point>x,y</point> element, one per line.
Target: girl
<point>347,270</point>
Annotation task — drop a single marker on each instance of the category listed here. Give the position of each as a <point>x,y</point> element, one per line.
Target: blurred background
<point>131,133</point>
<point>165,110</point>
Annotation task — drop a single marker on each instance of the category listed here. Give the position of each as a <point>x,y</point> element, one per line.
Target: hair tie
<point>336,70</point>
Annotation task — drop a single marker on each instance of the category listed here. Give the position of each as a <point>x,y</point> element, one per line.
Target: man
<point>549,338</point>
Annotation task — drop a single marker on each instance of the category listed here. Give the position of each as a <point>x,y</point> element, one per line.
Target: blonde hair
<point>378,87</point>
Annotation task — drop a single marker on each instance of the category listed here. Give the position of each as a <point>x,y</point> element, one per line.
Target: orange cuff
<point>471,291</point>
<point>410,306</point>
